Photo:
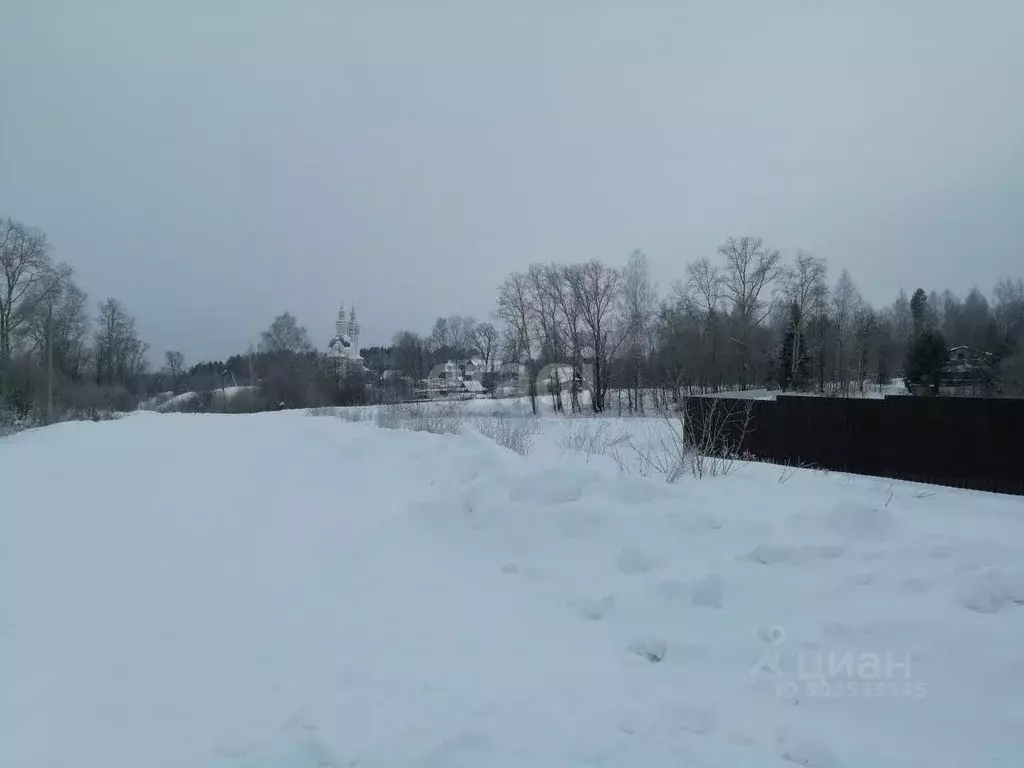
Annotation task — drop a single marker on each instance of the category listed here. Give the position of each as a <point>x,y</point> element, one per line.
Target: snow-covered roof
<point>342,340</point>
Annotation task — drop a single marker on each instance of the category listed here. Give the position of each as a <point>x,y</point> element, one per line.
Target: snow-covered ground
<point>280,591</point>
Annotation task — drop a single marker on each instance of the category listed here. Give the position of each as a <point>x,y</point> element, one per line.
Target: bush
<point>513,432</point>
<point>94,398</point>
<point>10,421</point>
<point>352,415</point>
<point>205,401</point>
<point>591,437</point>
<point>157,402</point>
<point>436,418</point>
<point>17,384</point>
<point>245,401</point>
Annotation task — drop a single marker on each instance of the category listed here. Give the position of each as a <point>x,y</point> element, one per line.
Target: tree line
<point>747,318</point>
<point>97,360</point>
<point>284,370</point>
<point>61,358</point>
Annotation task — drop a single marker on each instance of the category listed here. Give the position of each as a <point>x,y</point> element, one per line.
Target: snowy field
<point>284,591</point>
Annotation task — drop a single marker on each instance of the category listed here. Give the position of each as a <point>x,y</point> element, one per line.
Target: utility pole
<point>49,366</point>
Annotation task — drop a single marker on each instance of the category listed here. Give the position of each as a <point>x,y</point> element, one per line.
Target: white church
<point>344,347</point>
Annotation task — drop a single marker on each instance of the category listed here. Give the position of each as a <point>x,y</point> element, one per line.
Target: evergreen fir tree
<point>926,359</point>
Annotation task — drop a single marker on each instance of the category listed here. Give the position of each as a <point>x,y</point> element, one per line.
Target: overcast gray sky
<point>213,164</point>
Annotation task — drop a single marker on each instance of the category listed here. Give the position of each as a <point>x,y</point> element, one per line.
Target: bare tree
<point>71,328</point>
<point>285,335</point>
<point>846,303</point>
<point>485,339</point>
<point>699,300</point>
<point>560,281</point>
<point>704,280</point>
<point>750,269</point>
<point>1009,307</point>
<point>174,366</point>
<point>410,354</point>
<point>679,342</point>
<point>865,348</point>
<point>595,289</point>
<point>460,333</point>
<point>120,354</point>
<point>805,288</point>
<point>638,309</point>
<point>27,279</point>
<point>460,340</point>
<point>514,309</point>
<point>543,286</point>
<point>440,335</point>
<point>510,343</point>
<point>58,322</point>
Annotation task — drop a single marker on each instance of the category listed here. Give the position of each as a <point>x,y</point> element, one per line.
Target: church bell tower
<point>353,331</point>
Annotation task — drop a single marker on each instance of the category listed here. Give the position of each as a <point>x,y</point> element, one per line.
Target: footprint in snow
<point>990,591</point>
<point>706,592</point>
<point>693,718</point>
<point>632,560</point>
<point>836,630</point>
<point>862,521</point>
<point>653,649</point>
<point>917,585</point>
<point>828,551</point>
<point>306,752</point>
<point>769,554</point>
<point>595,609</point>
<point>810,753</point>
<point>463,749</point>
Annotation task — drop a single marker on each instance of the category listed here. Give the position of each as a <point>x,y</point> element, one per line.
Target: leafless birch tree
<point>750,270</point>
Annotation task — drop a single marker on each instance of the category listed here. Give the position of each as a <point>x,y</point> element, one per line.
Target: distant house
<point>560,374</point>
<point>396,377</point>
<point>968,372</point>
<point>513,369</point>
<point>959,358</point>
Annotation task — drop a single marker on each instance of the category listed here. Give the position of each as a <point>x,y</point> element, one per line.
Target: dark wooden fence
<point>964,442</point>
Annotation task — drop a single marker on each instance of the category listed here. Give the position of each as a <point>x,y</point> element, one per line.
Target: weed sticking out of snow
<point>516,434</point>
<point>591,437</point>
<point>435,418</point>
